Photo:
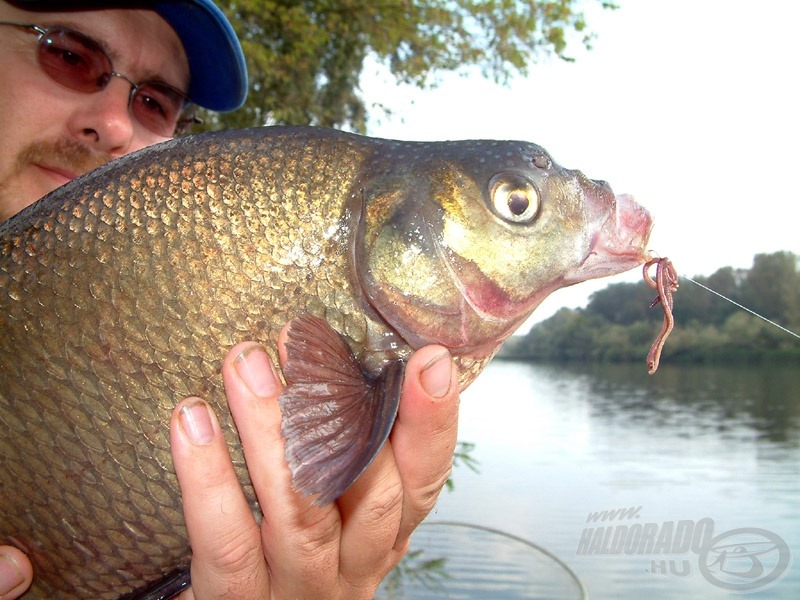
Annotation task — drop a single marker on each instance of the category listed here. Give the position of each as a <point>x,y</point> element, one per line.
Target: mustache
<point>63,153</point>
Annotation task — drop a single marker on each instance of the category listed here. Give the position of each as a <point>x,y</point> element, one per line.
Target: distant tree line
<point>618,325</point>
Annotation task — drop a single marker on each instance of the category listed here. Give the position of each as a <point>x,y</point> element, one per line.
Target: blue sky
<point>691,106</point>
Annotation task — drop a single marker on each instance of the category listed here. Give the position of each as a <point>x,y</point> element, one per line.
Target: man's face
<point>51,134</point>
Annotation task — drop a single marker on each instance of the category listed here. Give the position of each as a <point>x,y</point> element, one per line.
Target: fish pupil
<point>518,203</point>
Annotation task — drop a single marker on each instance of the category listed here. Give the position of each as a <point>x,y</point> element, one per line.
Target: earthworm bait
<point>666,283</point>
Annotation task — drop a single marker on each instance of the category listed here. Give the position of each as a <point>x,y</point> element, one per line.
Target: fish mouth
<point>620,244</point>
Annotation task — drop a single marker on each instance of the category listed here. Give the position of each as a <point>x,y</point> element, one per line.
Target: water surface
<point>565,451</point>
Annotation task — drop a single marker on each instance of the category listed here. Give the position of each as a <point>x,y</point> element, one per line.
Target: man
<point>146,58</point>
<point>56,123</point>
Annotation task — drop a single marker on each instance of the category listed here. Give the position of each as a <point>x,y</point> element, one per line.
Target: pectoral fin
<point>334,418</point>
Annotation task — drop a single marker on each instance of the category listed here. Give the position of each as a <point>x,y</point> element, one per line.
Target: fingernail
<point>435,376</point>
<point>196,422</point>
<point>10,574</point>
<point>255,368</point>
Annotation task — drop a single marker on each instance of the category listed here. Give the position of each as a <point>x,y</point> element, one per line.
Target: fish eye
<point>514,199</point>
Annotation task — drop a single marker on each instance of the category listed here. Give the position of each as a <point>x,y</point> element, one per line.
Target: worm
<point>666,282</point>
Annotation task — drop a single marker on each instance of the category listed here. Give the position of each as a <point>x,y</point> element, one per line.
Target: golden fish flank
<point>152,266</point>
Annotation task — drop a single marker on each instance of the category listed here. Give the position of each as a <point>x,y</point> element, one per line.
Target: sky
<point>692,106</point>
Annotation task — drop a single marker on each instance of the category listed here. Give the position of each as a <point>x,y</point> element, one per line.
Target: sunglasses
<point>79,63</point>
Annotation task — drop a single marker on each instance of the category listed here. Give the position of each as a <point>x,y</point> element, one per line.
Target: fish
<point>121,291</point>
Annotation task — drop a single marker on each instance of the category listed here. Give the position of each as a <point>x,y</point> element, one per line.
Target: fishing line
<point>584,594</point>
<point>752,312</point>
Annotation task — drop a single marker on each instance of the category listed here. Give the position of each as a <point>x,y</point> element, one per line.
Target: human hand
<point>16,573</point>
<point>342,550</point>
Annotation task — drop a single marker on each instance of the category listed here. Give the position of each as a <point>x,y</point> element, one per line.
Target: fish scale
<point>126,240</point>
<point>122,291</point>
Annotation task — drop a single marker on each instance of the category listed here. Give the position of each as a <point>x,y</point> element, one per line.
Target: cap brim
<point>216,61</point>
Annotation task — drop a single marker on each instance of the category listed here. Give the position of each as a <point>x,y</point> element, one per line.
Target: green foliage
<point>305,57</point>
<point>463,457</point>
<point>417,568</point>
<point>772,287</point>
<point>618,326</point>
<point>623,303</point>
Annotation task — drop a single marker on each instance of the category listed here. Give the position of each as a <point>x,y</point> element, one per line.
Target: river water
<point>684,484</point>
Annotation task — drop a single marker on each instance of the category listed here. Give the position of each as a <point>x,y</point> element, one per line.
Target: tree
<point>305,57</point>
<point>616,324</point>
<point>693,303</point>
<point>623,303</point>
<point>772,287</point>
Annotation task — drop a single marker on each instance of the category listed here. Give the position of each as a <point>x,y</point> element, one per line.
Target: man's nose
<point>103,121</point>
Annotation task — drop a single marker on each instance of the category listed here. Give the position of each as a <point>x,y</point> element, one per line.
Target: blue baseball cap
<point>216,62</point>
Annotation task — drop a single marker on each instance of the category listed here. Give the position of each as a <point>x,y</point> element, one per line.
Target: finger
<point>227,558</point>
<point>384,505</point>
<point>16,572</point>
<point>301,540</point>
<point>371,512</point>
<point>424,435</point>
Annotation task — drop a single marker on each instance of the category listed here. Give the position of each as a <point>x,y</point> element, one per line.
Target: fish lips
<point>619,245</point>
